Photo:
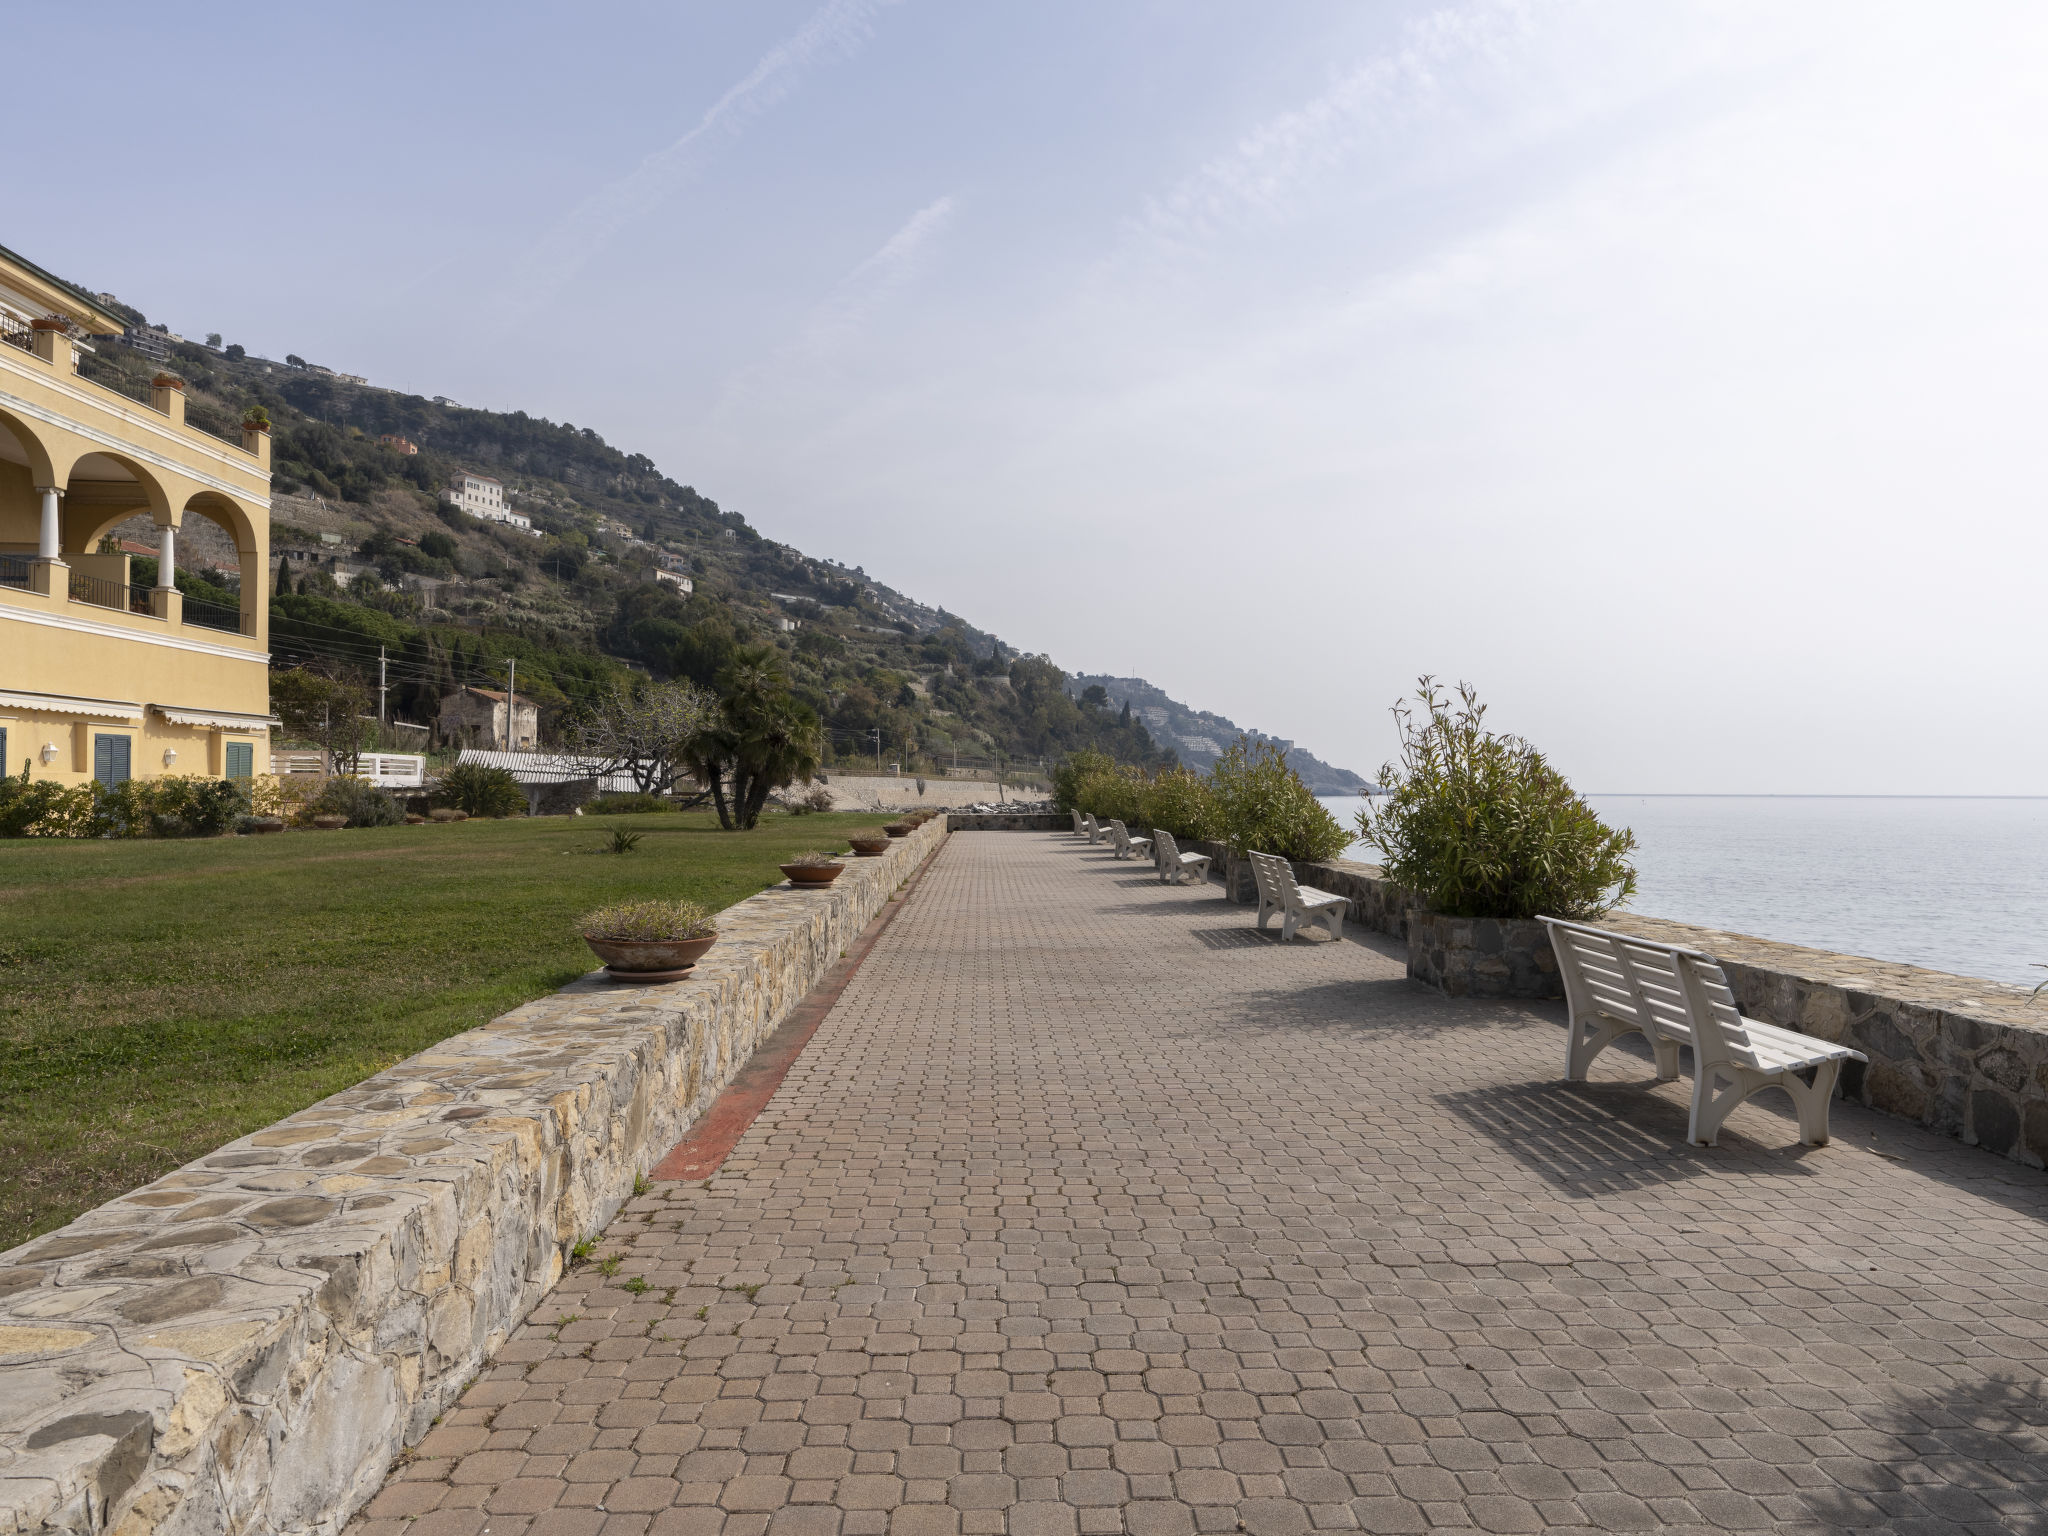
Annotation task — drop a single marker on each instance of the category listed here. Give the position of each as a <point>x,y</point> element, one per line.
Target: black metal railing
<point>213,615</point>
<point>17,333</point>
<point>98,591</point>
<point>213,423</point>
<point>107,376</point>
<point>139,598</point>
<point>14,571</point>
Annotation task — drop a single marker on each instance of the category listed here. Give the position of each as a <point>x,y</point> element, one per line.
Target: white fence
<point>392,770</point>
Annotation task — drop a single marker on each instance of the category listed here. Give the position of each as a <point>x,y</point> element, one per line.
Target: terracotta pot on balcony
<point>46,323</point>
<point>167,381</point>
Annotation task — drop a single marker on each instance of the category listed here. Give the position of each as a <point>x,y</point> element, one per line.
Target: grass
<point>160,998</point>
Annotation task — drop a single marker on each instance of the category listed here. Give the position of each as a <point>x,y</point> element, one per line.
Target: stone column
<point>49,574</point>
<point>166,602</point>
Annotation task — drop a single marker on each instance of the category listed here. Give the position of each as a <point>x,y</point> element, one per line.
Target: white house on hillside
<point>682,584</point>
<point>481,496</point>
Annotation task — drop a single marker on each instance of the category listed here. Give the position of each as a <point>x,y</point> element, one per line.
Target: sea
<point>1952,883</point>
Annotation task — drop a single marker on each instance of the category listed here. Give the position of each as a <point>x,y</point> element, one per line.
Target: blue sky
<point>1671,371</point>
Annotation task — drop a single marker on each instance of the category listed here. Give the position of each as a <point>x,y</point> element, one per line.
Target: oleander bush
<point>481,791</point>
<point>363,803</point>
<point>1481,825</point>
<point>1182,802</point>
<point>42,808</point>
<point>1262,806</point>
<point>180,805</point>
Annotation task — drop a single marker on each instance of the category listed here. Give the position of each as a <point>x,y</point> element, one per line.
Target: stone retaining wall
<point>246,1344</point>
<point>1009,821</point>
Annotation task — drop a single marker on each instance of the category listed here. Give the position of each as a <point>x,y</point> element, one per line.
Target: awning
<point>62,704</point>
<point>216,719</point>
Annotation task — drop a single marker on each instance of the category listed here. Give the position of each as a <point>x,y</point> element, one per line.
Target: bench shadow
<point>1601,1138</point>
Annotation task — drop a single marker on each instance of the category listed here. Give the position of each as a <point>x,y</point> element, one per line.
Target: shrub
<point>670,921</point>
<point>482,791</point>
<point>1479,825</point>
<point>1070,772</point>
<point>182,806</point>
<point>363,803</point>
<point>637,803</point>
<point>41,808</point>
<point>1117,792</point>
<point>1182,802</point>
<point>1263,807</point>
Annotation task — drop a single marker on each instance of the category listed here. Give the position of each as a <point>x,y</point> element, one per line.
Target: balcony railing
<point>213,615</point>
<point>104,593</point>
<point>107,376</point>
<point>14,571</point>
<point>17,333</point>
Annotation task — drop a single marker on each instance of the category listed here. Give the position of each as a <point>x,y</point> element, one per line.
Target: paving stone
<point>1089,1210</point>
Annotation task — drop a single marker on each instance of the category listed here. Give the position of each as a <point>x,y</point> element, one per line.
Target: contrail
<point>840,25</point>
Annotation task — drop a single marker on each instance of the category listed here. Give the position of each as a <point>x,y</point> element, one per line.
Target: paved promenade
<point>1089,1210</point>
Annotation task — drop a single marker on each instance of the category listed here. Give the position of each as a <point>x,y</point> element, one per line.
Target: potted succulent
<point>870,842</point>
<point>649,940</point>
<point>813,869</point>
<point>899,829</point>
<point>256,419</point>
<point>447,813</point>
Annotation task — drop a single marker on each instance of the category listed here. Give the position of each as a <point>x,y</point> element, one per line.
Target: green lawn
<point>160,998</point>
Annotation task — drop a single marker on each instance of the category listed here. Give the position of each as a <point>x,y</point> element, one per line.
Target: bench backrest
<point>1164,848</point>
<point>1121,833</point>
<point>1077,824</point>
<point>1718,1033</point>
<point>1621,976</point>
<point>1277,877</point>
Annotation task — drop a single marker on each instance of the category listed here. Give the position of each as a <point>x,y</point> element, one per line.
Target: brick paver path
<point>1089,1211</point>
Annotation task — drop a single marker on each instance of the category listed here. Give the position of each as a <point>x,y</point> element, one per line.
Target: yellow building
<point>100,677</point>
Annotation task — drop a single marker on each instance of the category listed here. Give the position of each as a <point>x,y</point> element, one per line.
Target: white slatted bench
<point>1127,846</point>
<point>1094,829</point>
<point>1616,982</point>
<point>1175,866</point>
<point>1296,903</point>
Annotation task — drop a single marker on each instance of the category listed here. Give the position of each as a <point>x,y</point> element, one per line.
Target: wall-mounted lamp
<point>49,752</point>
<point>170,756</point>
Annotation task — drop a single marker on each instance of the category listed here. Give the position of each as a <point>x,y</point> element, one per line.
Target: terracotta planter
<point>870,847</point>
<point>260,825</point>
<point>813,874</point>
<point>649,959</point>
<point>899,829</point>
<point>412,819</point>
<point>330,823</point>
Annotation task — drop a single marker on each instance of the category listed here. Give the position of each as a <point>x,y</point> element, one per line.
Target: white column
<point>167,557</point>
<point>48,545</point>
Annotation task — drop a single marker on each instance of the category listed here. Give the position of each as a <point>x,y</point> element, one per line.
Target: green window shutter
<point>3,751</point>
<point>110,760</point>
<point>241,757</point>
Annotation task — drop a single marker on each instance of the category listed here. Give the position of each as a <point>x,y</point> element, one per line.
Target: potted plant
<point>899,829</point>
<point>870,842</point>
<point>813,869</point>
<point>327,821</point>
<point>256,419</point>
<point>1485,836</point>
<point>649,940</point>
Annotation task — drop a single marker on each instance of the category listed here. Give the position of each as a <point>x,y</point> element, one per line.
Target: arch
<point>231,516</point>
<point>42,466</point>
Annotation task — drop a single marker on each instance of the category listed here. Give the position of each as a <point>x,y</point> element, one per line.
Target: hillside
<point>368,558</point>
<point>1198,736</point>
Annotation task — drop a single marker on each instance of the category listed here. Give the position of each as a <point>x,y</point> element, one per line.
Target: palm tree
<point>761,739</point>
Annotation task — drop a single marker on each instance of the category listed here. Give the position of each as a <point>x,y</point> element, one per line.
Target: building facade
<point>481,496</point>
<point>482,717</point>
<point>99,677</point>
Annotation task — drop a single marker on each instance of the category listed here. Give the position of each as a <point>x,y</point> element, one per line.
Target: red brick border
<point>710,1142</point>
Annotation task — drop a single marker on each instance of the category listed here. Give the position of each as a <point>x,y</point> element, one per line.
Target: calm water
<point>1957,885</point>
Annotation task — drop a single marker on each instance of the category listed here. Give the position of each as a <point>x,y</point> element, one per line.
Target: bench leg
<point>1266,911</point>
<point>1712,1104</point>
<point>1812,1103</point>
<point>1666,1052</point>
<point>1288,923</point>
<point>1334,921</point>
<point>1585,1041</point>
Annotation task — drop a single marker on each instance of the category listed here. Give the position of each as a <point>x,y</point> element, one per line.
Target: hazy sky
<point>1675,372</point>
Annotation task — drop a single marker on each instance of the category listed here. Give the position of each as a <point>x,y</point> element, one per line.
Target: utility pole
<point>511,699</point>
<point>878,749</point>
<point>380,688</point>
